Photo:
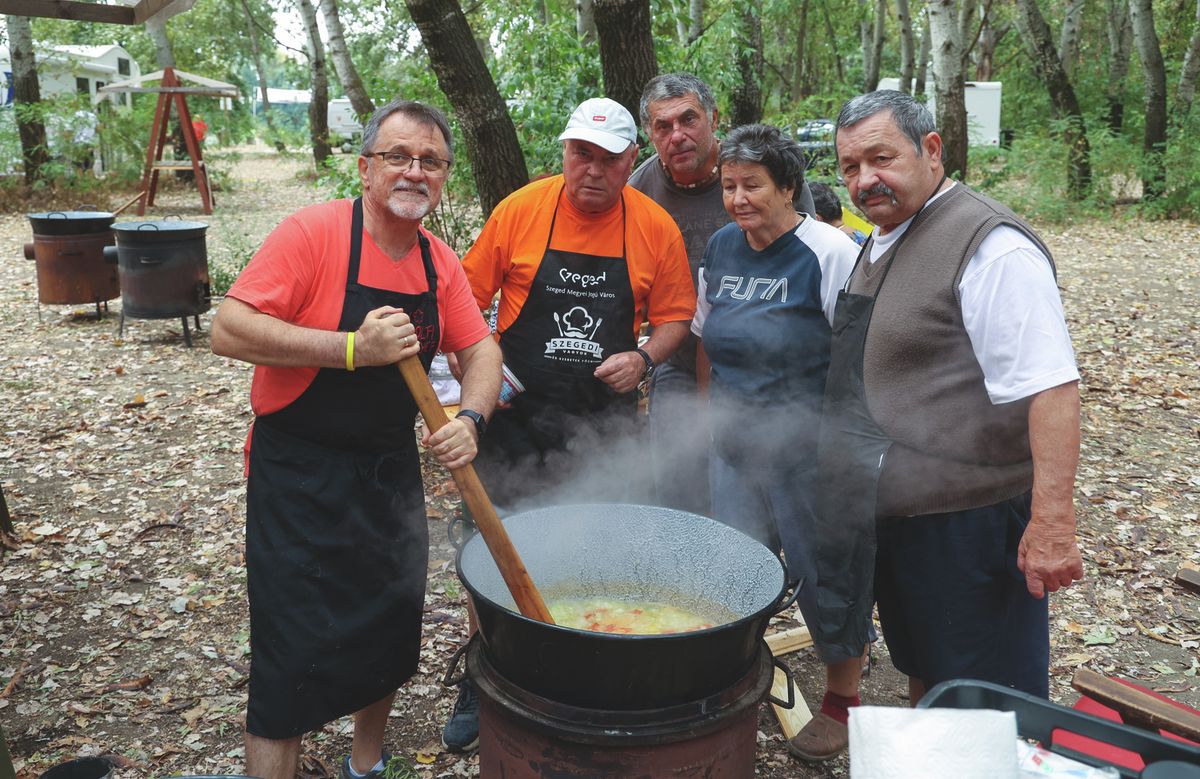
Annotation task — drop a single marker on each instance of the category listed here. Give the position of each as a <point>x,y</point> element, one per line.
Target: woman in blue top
<point>767,291</point>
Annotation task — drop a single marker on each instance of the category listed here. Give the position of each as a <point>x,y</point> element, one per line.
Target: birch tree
<point>156,29</point>
<point>26,97</point>
<point>923,58</point>
<point>1185,93</point>
<point>585,22</point>
<point>259,68</point>
<point>873,47</point>
<point>948,68</point>
<point>346,72</point>
<point>1154,141</point>
<point>1068,39</point>
<point>318,104</point>
<point>907,46</point>
<point>1053,72</point>
<point>695,20</point>
<point>1120,44</point>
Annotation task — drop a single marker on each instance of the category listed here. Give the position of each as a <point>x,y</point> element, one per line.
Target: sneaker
<point>461,733</point>
<point>345,773</point>
<point>822,738</point>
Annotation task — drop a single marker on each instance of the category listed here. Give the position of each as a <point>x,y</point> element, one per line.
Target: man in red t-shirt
<point>336,536</point>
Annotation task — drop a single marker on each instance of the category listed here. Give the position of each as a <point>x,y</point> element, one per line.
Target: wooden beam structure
<point>105,13</point>
<point>159,140</point>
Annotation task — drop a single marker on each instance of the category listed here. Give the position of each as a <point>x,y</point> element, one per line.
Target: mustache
<point>419,188</point>
<point>878,189</point>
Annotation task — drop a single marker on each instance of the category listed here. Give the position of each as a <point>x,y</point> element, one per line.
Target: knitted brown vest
<point>953,448</point>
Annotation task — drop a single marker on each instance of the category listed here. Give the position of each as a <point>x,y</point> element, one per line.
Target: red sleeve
<point>277,280</point>
<point>462,324</point>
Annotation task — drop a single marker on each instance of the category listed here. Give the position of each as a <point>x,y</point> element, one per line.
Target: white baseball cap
<point>603,122</point>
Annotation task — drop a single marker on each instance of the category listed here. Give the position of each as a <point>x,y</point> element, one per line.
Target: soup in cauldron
<point>603,615</point>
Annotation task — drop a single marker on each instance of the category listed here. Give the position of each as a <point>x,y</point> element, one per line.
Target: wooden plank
<point>793,719</point>
<point>1188,579</point>
<point>1138,708</point>
<point>201,91</point>
<point>789,640</point>
<point>71,10</point>
<point>144,9</point>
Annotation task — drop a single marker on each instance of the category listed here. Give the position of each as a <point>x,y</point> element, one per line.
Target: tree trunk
<point>1154,143</point>
<point>26,96</point>
<point>989,38</point>
<point>1186,92</point>
<point>585,22</point>
<point>259,68</point>
<point>1120,41</point>
<point>156,28</point>
<point>695,20</point>
<point>347,73</point>
<point>318,105</point>
<point>968,32</point>
<point>497,162</point>
<point>681,21</point>
<point>923,59</point>
<point>907,46</point>
<point>798,92</point>
<point>871,81</point>
<point>627,57</point>
<point>1068,39</point>
<point>1052,70</point>
<point>948,84</point>
<point>832,34</point>
<point>745,103</point>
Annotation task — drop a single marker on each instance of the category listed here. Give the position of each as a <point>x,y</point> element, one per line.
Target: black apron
<point>851,452</point>
<point>579,312</point>
<point>336,534</point>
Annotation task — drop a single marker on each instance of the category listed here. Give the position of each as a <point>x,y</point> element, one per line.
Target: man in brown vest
<point>951,430</point>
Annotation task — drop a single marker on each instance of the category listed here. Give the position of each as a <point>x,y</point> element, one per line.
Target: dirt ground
<point>122,591</point>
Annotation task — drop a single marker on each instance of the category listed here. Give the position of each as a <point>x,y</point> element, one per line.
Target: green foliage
<point>399,768</point>
<point>227,258</point>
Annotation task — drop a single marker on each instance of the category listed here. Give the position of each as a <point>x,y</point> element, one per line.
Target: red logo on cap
<point>599,118</point>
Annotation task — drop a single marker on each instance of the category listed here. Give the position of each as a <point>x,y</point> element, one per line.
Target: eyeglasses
<point>398,159</point>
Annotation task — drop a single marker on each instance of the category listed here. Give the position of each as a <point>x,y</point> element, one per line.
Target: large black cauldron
<point>164,271</point>
<point>640,553</point>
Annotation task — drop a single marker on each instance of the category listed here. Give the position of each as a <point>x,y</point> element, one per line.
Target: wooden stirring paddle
<point>529,600</point>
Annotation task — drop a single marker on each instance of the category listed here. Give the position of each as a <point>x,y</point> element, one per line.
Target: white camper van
<point>983,109</point>
<point>343,124</point>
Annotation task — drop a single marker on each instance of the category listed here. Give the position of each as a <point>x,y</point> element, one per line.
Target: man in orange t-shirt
<point>579,259</point>
<point>336,535</point>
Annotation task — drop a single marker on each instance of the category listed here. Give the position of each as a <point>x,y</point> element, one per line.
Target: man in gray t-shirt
<point>679,115</point>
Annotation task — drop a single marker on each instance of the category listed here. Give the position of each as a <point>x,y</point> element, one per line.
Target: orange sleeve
<point>659,263</point>
<point>509,249</point>
<point>484,262</point>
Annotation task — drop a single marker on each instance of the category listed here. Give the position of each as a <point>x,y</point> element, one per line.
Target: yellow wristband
<point>350,351</point>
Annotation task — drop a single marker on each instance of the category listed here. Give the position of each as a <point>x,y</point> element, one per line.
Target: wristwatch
<point>649,361</point>
<point>476,417</point>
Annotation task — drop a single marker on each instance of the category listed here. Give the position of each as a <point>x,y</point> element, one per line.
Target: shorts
<point>952,602</point>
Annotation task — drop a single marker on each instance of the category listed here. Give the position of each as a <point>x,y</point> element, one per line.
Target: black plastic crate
<point>1038,719</point>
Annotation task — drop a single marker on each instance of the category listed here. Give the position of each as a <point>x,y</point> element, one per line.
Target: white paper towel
<point>889,742</point>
